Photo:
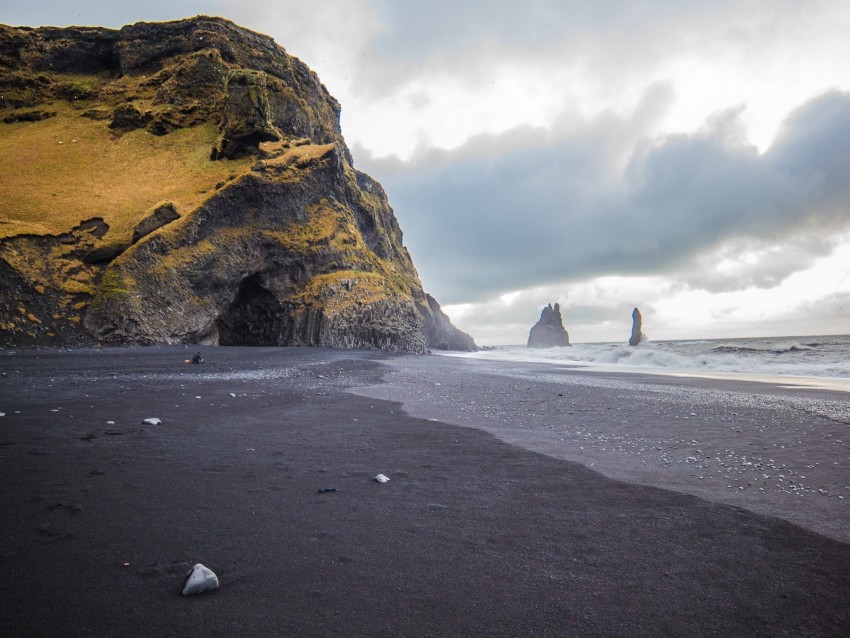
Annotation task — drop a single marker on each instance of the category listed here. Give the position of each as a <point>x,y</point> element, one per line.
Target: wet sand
<point>473,535</point>
<point>776,450</point>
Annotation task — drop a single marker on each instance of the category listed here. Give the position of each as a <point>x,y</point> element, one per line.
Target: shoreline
<point>786,381</point>
<point>471,536</point>
<point>753,444</point>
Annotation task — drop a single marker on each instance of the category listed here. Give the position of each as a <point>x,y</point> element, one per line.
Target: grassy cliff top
<point>102,123</point>
<point>68,168</point>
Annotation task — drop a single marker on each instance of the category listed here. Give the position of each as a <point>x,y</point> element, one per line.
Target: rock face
<point>549,331</point>
<point>226,209</point>
<point>441,333</point>
<point>637,335</point>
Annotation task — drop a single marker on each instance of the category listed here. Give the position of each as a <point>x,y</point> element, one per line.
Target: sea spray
<point>817,356</point>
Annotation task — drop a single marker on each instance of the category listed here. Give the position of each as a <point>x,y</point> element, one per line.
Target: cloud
<point>486,67</point>
<point>812,300</point>
<point>105,13</point>
<point>586,199</point>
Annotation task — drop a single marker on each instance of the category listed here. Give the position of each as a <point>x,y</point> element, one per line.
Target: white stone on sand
<point>381,478</point>
<point>152,421</point>
<point>200,579</point>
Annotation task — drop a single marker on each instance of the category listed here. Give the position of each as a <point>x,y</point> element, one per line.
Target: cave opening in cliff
<point>254,318</point>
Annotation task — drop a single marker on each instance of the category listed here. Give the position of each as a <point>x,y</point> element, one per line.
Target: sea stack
<point>637,335</point>
<point>549,331</point>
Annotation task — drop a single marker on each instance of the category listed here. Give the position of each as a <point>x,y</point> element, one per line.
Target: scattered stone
<point>152,421</point>
<point>200,579</point>
<point>382,479</point>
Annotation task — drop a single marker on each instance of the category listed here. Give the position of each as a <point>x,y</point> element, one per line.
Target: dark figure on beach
<point>197,358</point>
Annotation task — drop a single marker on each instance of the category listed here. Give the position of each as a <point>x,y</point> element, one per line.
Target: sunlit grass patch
<point>62,170</point>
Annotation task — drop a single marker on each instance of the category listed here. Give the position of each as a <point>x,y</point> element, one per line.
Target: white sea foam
<point>823,357</point>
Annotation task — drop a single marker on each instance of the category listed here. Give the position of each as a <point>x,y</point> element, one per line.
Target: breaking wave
<point>826,357</point>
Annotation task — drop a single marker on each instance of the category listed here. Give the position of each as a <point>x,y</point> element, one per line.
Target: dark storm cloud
<point>105,13</point>
<point>472,41</point>
<point>618,40</point>
<point>750,263</point>
<point>535,206</point>
<point>414,28</point>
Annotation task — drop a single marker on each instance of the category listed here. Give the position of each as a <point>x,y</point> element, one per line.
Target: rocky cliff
<point>188,182</point>
<point>549,330</point>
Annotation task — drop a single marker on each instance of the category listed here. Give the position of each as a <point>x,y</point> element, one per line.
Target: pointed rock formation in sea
<point>637,335</point>
<point>549,331</point>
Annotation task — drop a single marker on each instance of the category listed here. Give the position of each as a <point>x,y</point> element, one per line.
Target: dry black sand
<point>471,537</point>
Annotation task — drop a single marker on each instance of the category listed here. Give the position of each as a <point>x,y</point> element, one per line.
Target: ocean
<point>822,357</point>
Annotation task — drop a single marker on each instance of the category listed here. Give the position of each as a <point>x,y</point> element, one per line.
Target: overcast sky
<point>689,157</point>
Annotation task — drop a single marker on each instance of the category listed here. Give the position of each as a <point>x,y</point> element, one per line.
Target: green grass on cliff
<point>62,170</point>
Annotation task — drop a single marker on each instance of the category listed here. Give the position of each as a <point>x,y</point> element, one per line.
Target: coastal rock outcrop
<point>192,185</point>
<point>637,323</point>
<point>549,330</point>
<point>440,332</point>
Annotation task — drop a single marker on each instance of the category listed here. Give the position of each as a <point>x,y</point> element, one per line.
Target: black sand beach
<point>473,536</point>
